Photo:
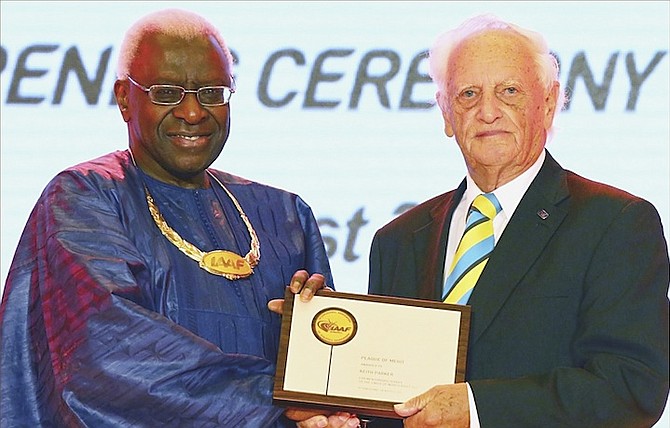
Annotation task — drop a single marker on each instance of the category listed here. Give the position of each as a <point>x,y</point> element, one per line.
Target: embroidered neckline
<point>218,262</point>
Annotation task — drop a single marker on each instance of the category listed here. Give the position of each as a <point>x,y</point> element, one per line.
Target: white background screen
<point>307,117</point>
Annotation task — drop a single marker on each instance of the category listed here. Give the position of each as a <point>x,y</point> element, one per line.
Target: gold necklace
<point>218,262</point>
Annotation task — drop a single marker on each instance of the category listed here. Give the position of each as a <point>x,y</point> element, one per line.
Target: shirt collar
<point>509,195</point>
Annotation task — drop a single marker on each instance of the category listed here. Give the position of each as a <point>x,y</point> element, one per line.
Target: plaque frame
<point>288,397</point>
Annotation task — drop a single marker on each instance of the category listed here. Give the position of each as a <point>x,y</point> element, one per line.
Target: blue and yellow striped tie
<point>474,249</point>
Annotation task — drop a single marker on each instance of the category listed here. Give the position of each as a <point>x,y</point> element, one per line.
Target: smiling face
<point>175,144</point>
<point>496,106</point>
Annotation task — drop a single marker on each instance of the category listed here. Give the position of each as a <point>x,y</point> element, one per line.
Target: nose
<point>190,110</point>
<point>489,107</point>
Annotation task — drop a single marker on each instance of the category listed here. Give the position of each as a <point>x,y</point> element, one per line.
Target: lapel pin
<point>543,214</point>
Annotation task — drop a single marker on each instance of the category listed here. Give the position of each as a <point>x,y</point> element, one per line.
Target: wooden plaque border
<point>358,406</point>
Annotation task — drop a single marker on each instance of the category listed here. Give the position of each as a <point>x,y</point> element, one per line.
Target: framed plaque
<point>363,353</point>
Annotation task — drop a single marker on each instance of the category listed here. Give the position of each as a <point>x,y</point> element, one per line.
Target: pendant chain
<point>251,258</point>
<point>254,254</point>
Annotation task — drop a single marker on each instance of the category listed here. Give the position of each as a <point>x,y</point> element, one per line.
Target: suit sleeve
<point>374,279</point>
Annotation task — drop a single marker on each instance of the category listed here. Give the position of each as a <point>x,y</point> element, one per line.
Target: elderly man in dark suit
<point>567,278</point>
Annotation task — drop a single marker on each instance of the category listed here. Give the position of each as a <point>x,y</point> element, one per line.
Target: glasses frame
<point>184,91</point>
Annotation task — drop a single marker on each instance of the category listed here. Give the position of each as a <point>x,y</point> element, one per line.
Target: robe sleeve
<point>315,253</point>
<point>79,344</point>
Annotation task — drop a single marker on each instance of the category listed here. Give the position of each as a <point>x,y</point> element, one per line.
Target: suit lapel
<point>529,230</point>
<point>430,246</point>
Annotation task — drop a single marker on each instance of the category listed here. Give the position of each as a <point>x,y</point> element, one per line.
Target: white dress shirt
<point>509,195</point>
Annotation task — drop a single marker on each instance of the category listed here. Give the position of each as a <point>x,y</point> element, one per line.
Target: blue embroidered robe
<point>105,323</point>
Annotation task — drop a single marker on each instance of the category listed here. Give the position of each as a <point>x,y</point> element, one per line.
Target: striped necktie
<point>474,249</point>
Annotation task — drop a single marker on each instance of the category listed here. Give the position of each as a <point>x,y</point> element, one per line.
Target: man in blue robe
<point>138,294</point>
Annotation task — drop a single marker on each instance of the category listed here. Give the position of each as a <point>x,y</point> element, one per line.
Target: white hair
<point>444,45</point>
<point>172,22</point>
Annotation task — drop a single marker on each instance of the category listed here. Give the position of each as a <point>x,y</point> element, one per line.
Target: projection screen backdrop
<point>334,102</point>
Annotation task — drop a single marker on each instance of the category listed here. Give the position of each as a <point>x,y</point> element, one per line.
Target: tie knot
<point>487,204</point>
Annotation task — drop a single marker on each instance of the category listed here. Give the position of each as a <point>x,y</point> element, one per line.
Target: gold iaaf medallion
<point>334,326</point>
<point>225,263</point>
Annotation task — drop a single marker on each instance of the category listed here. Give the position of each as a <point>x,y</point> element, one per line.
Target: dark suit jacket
<point>570,316</point>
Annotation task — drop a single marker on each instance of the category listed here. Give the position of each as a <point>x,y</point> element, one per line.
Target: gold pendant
<point>226,263</point>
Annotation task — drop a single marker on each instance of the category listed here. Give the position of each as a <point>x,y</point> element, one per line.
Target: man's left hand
<point>441,406</point>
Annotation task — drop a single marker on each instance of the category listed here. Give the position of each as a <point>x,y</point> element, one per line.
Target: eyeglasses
<point>172,95</point>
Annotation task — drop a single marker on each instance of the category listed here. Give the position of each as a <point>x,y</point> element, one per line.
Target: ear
<point>442,102</point>
<point>550,105</point>
<point>122,94</point>
<point>448,127</point>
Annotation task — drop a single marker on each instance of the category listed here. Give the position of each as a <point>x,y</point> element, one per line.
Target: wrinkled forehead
<point>492,53</point>
<point>492,44</point>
